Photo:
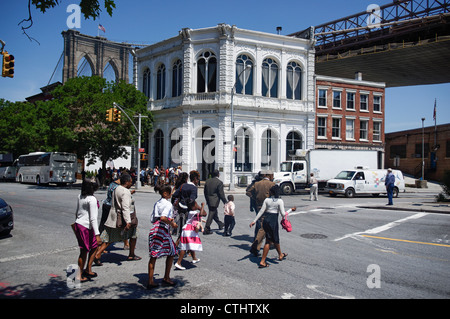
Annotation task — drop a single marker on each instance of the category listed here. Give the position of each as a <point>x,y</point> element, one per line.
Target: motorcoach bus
<point>44,168</point>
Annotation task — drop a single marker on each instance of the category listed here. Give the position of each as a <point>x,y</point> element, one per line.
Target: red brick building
<point>404,151</point>
<point>350,114</point>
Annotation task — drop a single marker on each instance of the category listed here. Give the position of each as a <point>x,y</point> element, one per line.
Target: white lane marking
<point>25,256</point>
<point>314,288</point>
<point>380,229</point>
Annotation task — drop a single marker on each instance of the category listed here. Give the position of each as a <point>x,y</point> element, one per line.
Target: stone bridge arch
<point>99,51</point>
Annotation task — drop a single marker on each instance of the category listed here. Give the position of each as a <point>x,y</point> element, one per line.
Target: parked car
<point>6,218</point>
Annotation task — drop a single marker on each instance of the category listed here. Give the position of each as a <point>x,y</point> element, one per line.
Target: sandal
<point>284,257</point>
<point>169,282</point>
<point>133,258</point>
<point>263,266</point>
<point>88,275</point>
<point>97,262</point>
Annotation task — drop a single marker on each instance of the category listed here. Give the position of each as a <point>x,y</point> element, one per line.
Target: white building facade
<point>202,81</point>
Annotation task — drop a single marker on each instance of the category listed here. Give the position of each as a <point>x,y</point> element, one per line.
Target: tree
<point>75,121</point>
<point>87,100</point>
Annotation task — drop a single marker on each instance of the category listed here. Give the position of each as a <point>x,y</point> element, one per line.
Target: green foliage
<point>75,120</point>
<point>89,8</point>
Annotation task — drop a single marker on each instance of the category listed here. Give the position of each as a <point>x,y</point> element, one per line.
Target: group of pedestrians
<point>177,213</point>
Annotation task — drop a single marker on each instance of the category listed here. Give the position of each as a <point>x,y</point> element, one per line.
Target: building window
<point>161,82</point>
<point>398,151</point>
<point>244,84</point>
<point>243,154</point>
<point>321,127</point>
<point>159,148</point>
<point>336,99</point>
<point>377,131</point>
<point>269,150</point>
<point>270,78</point>
<point>377,103</point>
<point>363,129</point>
<point>323,98</point>
<point>294,81</point>
<point>293,142</point>
<point>350,129</point>
<point>207,73</point>
<point>350,101</point>
<point>336,128</point>
<point>177,78</point>
<point>363,102</point>
<point>146,88</point>
<point>418,150</point>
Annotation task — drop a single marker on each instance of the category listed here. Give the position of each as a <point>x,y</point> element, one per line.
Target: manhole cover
<point>314,236</point>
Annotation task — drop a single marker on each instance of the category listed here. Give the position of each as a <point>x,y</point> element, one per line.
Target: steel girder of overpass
<point>403,43</point>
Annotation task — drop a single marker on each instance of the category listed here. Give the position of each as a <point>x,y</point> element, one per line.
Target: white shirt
<point>272,206</point>
<point>87,212</point>
<point>163,207</point>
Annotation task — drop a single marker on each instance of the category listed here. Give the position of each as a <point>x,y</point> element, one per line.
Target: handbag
<point>286,224</point>
<point>120,222</point>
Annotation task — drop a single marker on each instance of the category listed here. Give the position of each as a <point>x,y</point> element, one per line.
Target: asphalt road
<point>335,251</point>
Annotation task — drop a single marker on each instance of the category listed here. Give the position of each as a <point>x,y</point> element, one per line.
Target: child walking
<point>229,216</point>
<point>189,239</point>
<point>160,240</point>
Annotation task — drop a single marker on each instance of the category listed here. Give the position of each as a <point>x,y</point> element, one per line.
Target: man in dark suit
<point>213,194</point>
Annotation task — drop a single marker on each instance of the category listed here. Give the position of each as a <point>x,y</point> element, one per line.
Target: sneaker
<point>179,267</point>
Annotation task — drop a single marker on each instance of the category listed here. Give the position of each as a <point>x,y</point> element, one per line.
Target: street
<point>336,250</point>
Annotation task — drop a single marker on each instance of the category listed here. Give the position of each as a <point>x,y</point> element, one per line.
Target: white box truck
<point>324,163</point>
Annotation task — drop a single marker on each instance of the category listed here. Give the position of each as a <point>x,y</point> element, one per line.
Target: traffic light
<point>8,65</point>
<point>117,115</point>
<point>144,157</point>
<point>109,115</point>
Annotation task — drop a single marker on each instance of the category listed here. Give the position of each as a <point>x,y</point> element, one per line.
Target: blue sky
<point>150,21</point>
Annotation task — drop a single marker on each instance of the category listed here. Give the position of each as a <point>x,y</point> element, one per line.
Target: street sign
<point>142,150</point>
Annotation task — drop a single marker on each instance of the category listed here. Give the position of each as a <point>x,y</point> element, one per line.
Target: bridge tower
<point>98,52</point>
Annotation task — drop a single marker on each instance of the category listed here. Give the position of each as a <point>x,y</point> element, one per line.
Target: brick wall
<point>404,151</point>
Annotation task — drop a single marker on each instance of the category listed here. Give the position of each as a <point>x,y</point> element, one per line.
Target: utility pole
<point>138,131</point>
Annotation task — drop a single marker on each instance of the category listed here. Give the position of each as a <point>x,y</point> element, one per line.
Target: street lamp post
<point>231,188</point>
<point>423,150</point>
<point>138,131</point>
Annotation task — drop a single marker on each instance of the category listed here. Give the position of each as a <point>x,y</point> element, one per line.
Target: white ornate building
<point>189,80</point>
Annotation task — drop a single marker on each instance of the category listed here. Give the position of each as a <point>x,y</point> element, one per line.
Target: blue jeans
<point>390,193</point>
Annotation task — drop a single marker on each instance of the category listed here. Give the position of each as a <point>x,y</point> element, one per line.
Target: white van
<point>364,181</point>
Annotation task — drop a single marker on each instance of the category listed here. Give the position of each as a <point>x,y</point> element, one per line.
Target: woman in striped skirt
<point>160,240</point>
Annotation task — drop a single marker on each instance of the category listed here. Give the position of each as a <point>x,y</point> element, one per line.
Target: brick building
<point>404,151</point>
<point>350,114</point>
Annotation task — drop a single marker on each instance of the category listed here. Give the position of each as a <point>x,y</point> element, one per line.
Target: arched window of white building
<point>146,83</point>
<point>206,73</point>
<point>269,150</point>
<point>294,142</point>
<point>244,151</point>
<point>294,81</point>
<point>159,148</point>
<point>177,78</point>
<point>244,75</point>
<point>161,82</point>
<point>270,78</point>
